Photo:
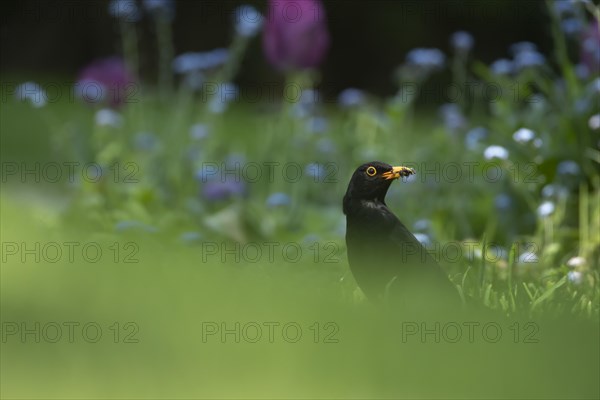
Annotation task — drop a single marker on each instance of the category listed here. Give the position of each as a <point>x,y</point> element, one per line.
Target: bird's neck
<point>362,206</point>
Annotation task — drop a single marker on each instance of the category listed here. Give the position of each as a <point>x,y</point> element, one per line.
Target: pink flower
<point>295,35</point>
<point>107,81</point>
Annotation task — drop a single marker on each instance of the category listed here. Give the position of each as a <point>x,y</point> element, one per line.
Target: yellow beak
<point>398,172</point>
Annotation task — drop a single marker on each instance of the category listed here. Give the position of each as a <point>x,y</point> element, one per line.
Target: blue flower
<point>462,41</point>
<point>307,103</point>
<point>428,59</point>
<point>108,117</point>
<point>145,141</point>
<point>160,8</point>
<point>217,190</point>
<point>132,225</point>
<point>502,67</point>
<point>315,171</point>
<point>199,131</point>
<point>528,59</point>
<point>317,124</point>
<point>32,92</point>
<point>568,167</point>
<point>351,97</point>
<point>190,237</point>
<point>278,200</point>
<point>503,201</point>
<point>127,10</point>
<point>326,146</point>
<point>195,61</point>
<point>474,137</point>
<point>571,26</point>
<point>248,21</point>
<point>522,47</point>
<point>226,93</point>
<point>452,116</point>
<point>422,225</point>
<point>582,71</point>
<point>564,8</point>
<point>234,160</point>
<point>311,239</point>
<point>553,190</point>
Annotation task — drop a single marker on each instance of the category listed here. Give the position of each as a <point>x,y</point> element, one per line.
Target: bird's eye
<point>371,171</point>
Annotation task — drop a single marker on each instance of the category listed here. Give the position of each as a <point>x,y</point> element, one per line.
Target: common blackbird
<point>387,261</point>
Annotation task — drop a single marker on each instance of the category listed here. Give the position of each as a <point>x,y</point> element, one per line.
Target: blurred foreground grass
<point>173,298</point>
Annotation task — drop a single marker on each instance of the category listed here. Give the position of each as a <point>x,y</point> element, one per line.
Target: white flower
<point>575,262</point>
<point>594,122</point>
<point>529,257</point>
<point>575,277</point>
<point>108,117</point>
<point>546,209</point>
<point>32,92</point>
<point>495,151</point>
<point>248,21</point>
<point>524,135</point>
<point>423,238</point>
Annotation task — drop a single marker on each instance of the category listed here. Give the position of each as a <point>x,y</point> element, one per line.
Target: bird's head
<point>372,180</point>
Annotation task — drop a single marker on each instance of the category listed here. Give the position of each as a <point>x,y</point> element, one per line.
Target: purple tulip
<point>107,81</point>
<point>295,34</point>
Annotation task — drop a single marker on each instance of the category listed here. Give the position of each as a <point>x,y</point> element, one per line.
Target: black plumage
<point>386,259</point>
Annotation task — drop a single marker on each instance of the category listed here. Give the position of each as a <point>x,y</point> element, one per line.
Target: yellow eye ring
<point>371,171</point>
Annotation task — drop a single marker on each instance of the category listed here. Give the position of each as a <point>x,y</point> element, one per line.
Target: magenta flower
<point>295,34</point>
<point>107,81</point>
